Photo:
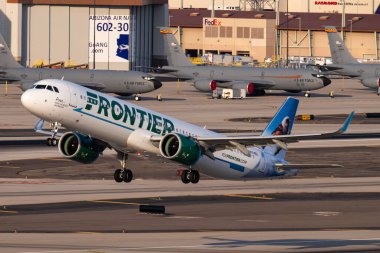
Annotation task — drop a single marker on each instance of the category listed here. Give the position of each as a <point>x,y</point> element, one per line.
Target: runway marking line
<point>115,202</point>
<point>248,196</point>
<point>5,211</point>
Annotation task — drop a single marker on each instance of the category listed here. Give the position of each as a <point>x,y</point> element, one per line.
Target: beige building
<point>256,34</point>
<point>246,34</point>
<point>323,6</point>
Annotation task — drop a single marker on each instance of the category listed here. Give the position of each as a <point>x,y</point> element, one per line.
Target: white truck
<point>233,93</point>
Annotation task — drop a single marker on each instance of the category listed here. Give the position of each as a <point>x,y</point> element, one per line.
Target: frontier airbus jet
<point>99,121</point>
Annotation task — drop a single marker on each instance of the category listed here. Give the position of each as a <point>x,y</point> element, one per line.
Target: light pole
<point>299,42</point>
<point>350,20</point>
<point>287,14</point>
<point>287,32</point>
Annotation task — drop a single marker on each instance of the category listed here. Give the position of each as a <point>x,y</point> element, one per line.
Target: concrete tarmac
<point>51,204</point>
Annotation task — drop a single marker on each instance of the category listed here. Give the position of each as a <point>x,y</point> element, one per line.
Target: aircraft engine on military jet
<point>248,87</point>
<point>372,82</point>
<point>205,85</point>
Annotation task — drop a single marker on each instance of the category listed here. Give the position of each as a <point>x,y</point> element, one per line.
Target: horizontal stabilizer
<point>306,166</point>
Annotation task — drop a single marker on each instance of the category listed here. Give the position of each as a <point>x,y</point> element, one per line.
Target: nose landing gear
<point>54,126</point>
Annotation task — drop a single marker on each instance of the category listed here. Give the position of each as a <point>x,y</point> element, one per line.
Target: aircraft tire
<point>118,175</point>
<point>128,176</point>
<point>194,176</point>
<point>185,177</point>
<point>49,142</point>
<point>54,142</point>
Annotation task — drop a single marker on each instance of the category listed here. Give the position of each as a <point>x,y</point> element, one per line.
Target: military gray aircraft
<point>124,83</point>
<point>254,80</point>
<point>346,65</point>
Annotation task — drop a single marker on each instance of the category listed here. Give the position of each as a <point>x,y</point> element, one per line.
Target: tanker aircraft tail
<point>176,56</point>
<point>339,52</point>
<point>6,58</point>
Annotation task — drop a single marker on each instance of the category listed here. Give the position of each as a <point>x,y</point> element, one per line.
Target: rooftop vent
<point>356,18</point>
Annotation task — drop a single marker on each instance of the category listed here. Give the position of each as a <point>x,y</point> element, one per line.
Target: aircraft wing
<point>241,141</point>
<point>325,67</point>
<point>94,86</point>
<point>331,70</point>
<point>159,70</point>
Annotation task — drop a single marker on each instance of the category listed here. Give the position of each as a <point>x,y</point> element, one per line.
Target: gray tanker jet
<point>254,80</point>
<point>346,65</point>
<point>123,83</point>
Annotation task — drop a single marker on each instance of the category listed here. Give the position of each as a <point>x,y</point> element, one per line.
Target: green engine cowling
<point>79,147</point>
<point>180,148</point>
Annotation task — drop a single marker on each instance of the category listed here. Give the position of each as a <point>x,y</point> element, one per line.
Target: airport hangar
<point>48,31</point>
<point>254,33</point>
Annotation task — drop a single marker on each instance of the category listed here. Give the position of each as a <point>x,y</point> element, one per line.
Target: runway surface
<point>229,212</point>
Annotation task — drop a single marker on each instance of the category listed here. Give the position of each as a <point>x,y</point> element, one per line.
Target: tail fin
<point>176,57</point>
<point>281,124</point>
<point>6,58</point>
<point>339,52</point>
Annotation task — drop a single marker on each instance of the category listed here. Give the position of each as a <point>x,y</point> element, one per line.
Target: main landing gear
<point>123,174</point>
<point>54,129</point>
<point>188,176</point>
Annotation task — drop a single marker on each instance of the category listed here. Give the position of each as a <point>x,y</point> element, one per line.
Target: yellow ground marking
<point>55,159</point>
<point>4,211</point>
<point>86,232</point>
<point>115,202</point>
<point>10,167</point>
<point>248,196</point>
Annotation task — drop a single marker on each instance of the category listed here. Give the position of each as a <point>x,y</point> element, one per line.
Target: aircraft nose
<point>157,84</point>
<point>27,99</point>
<point>326,81</point>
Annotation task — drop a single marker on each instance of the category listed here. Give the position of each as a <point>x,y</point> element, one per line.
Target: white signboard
<point>109,38</point>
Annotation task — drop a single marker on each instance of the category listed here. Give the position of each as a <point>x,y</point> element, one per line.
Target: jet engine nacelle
<point>372,82</point>
<point>248,87</point>
<point>206,85</point>
<point>180,148</point>
<point>79,147</point>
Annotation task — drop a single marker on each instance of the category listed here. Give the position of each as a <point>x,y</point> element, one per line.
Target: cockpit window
<point>49,88</point>
<point>40,86</point>
<point>55,89</point>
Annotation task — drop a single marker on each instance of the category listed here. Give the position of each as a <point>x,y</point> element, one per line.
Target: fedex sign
<point>212,22</point>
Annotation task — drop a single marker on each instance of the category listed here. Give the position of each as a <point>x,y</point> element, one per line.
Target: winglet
<point>347,123</point>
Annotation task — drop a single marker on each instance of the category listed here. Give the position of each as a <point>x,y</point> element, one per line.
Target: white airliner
<point>99,121</point>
